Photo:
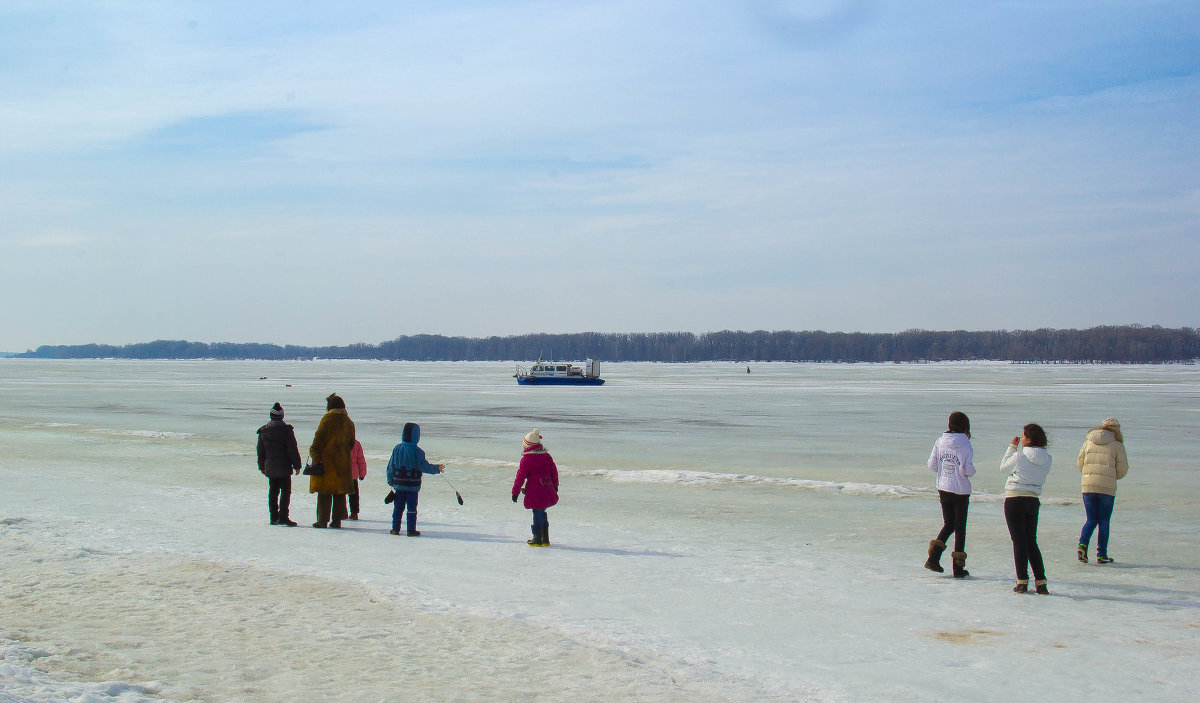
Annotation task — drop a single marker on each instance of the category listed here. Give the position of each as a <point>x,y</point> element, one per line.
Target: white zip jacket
<point>1027,469</point>
<point>951,461</point>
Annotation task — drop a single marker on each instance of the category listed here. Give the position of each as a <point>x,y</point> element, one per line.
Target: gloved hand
<point>514,497</point>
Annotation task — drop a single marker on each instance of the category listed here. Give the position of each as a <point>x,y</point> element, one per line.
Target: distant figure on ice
<point>331,448</point>
<point>278,457</point>
<point>404,471</point>
<point>1102,462</point>
<point>358,470</point>
<point>951,460</point>
<point>1027,463</point>
<point>537,478</point>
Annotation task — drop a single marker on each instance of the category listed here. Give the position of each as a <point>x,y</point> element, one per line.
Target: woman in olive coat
<point>331,449</point>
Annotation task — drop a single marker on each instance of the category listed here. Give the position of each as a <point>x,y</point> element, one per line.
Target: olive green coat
<point>331,448</point>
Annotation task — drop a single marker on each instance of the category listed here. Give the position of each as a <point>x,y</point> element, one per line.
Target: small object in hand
<point>389,497</point>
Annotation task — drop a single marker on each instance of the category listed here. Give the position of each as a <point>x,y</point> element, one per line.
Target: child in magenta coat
<point>537,478</point>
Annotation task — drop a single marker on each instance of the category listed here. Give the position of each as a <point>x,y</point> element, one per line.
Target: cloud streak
<point>667,166</point>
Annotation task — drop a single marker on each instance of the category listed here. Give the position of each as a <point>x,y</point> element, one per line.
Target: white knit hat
<point>533,438</point>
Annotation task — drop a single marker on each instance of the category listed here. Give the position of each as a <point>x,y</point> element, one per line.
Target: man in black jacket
<point>278,458</point>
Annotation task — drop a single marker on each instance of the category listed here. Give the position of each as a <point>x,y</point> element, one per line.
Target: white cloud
<point>676,165</point>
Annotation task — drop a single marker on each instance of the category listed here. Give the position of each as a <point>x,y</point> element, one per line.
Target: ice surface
<point>692,558</point>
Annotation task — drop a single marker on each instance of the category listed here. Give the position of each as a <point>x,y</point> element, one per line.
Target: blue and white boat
<point>558,373</point>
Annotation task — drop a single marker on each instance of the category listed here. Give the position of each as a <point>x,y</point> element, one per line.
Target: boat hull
<point>558,381</point>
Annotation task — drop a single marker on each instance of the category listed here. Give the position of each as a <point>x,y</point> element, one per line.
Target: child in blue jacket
<point>404,471</point>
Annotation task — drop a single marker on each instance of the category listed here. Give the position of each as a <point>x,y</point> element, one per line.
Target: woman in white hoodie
<point>1027,463</point>
<point>951,460</point>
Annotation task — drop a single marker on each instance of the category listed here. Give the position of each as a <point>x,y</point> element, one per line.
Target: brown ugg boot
<point>1040,585</point>
<point>960,563</point>
<point>1022,586</point>
<point>933,563</point>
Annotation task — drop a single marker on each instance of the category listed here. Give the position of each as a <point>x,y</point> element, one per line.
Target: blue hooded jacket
<point>408,461</point>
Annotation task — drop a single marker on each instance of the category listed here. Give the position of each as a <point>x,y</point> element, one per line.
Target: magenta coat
<point>538,478</point>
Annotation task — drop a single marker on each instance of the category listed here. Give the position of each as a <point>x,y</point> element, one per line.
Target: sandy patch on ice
<point>224,632</point>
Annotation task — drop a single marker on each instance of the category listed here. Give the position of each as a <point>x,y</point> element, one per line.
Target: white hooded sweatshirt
<point>1027,469</point>
<point>951,461</point>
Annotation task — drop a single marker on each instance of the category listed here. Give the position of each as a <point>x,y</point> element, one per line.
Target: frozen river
<point>741,536</point>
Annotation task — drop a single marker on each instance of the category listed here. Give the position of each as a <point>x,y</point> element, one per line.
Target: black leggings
<point>354,499</point>
<point>1021,514</point>
<point>954,518</point>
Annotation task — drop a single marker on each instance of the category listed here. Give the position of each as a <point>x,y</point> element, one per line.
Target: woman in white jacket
<point>1027,463</point>
<point>951,460</point>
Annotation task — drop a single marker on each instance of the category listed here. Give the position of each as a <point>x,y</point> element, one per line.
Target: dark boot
<point>1040,585</point>
<point>545,535</point>
<point>537,536</point>
<point>960,564</point>
<point>933,563</point>
<point>1022,586</point>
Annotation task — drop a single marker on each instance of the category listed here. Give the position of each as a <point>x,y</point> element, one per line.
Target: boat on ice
<point>558,373</point>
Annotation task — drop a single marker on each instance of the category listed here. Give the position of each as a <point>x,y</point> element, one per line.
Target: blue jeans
<point>540,518</point>
<point>1099,508</point>
<point>405,499</point>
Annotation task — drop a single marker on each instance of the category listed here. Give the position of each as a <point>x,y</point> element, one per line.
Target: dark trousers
<point>405,500</point>
<point>331,506</point>
<point>540,519</point>
<point>354,499</point>
<point>1021,514</point>
<point>954,518</point>
<point>279,496</point>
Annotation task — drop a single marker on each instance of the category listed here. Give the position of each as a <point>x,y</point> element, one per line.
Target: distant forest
<point>1132,344</point>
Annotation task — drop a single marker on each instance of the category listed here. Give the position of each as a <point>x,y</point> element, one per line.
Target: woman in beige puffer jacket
<point>1102,462</point>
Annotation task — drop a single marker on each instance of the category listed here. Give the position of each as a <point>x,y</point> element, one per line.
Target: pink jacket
<point>538,478</point>
<point>358,462</point>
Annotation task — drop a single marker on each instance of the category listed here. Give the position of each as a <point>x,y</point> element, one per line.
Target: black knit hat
<point>277,412</point>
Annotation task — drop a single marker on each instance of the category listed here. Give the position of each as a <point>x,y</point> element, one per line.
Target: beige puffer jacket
<point>1102,462</point>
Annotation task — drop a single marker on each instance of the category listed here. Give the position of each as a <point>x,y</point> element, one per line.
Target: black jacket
<point>278,454</point>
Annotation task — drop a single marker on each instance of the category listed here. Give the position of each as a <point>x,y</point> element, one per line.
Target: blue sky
<point>328,173</point>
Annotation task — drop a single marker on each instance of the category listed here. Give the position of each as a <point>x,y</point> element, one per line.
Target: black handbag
<point>314,470</point>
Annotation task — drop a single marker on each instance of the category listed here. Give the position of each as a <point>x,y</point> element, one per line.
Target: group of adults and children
<point>338,465</point>
<point>1102,462</point>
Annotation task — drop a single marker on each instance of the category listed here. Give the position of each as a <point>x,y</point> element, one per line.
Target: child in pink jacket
<point>537,478</point>
<point>358,471</point>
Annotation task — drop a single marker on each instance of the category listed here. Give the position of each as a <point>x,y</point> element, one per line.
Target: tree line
<point>1133,344</point>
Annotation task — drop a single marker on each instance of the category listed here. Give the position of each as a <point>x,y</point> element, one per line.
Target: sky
<point>331,173</point>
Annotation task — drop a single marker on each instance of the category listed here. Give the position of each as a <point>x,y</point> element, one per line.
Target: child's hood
<point>412,433</point>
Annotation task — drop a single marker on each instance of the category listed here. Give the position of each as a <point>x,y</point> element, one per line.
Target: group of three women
<point>1102,461</point>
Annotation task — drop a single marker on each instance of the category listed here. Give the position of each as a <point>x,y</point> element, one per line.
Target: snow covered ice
<point>733,537</point>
